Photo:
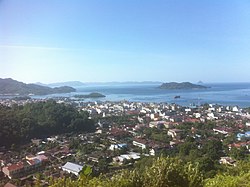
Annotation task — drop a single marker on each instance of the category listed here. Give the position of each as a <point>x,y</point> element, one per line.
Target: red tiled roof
<point>9,185</point>
<point>14,167</point>
<point>192,120</point>
<point>140,140</point>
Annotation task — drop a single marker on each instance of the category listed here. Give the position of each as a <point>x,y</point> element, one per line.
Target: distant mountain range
<point>76,84</point>
<point>12,87</point>
<point>58,84</point>
<point>123,83</point>
<point>182,85</point>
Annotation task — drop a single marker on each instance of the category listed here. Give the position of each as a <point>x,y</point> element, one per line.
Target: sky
<point>131,40</point>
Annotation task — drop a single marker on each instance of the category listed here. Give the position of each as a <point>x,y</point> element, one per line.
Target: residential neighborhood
<point>126,132</point>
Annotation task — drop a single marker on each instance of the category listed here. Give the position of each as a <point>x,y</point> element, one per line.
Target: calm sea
<point>219,93</point>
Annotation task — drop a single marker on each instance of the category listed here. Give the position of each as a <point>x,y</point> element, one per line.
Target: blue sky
<point>132,40</point>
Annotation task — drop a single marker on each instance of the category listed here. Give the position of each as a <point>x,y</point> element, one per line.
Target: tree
<point>185,148</point>
<point>36,120</point>
<point>103,164</point>
<point>213,149</point>
<point>164,172</point>
<point>207,166</point>
<point>229,181</point>
<point>238,154</point>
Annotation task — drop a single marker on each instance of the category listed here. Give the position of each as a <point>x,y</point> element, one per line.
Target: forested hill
<point>13,87</point>
<point>21,123</point>
<point>182,85</point>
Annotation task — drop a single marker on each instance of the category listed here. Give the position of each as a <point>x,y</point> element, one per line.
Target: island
<point>91,95</point>
<point>181,86</point>
<point>12,87</point>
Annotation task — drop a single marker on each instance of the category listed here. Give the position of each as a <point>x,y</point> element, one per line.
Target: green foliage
<point>232,176</point>
<point>186,148</point>
<point>10,86</point>
<point>172,172</point>
<point>91,95</point>
<point>86,171</point>
<point>21,123</point>
<point>213,149</point>
<point>143,163</point>
<point>103,164</point>
<point>163,172</point>
<point>182,85</point>
<point>238,154</point>
<point>157,135</point>
<point>229,181</point>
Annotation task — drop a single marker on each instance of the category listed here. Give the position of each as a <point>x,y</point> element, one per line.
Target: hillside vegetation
<point>163,172</point>
<point>183,85</point>
<point>21,123</point>
<point>13,87</point>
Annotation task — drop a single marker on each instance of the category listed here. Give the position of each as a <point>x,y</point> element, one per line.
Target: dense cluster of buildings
<point>115,143</point>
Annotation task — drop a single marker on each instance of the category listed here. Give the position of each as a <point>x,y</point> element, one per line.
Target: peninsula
<point>12,87</point>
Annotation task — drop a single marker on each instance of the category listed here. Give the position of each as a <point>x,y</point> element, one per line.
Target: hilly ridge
<point>60,84</point>
<point>9,86</point>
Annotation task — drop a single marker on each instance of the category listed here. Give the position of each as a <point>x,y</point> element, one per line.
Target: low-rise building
<point>24,168</point>
<point>72,168</point>
<point>174,133</point>
<point>228,161</point>
<point>140,143</point>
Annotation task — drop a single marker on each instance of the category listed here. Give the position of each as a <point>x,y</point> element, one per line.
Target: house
<point>174,133</point>
<point>24,168</point>
<point>211,116</point>
<point>154,151</point>
<point>197,115</point>
<point>223,130</point>
<point>36,141</point>
<point>160,124</point>
<point>117,146</point>
<point>245,135</point>
<point>188,110</point>
<point>239,145</point>
<point>235,109</point>
<point>140,143</point>
<point>129,156</point>
<point>72,168</point>
<point>14,170</point>
<point>228,161</point>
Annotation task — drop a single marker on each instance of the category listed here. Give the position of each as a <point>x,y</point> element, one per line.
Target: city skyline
<point>106,41</point>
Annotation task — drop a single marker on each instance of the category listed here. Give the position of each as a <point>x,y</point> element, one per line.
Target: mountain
<point>13,87</point>
<point>123,83</point>
<point>182,85</point>
<point>40,84</point>
<point>69,83</point>
<point>58,84</point>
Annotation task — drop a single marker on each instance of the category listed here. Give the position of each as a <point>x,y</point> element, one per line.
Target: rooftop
<point>72,167</point>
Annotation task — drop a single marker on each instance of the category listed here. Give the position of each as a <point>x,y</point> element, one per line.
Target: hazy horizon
<point>124,82</point>
<point>114,41</point>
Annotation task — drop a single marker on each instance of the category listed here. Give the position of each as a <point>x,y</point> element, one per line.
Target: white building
<point>72,168</point>
<point>235,109</point>
<point>131,155</point>
<point>139,144</point>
